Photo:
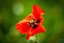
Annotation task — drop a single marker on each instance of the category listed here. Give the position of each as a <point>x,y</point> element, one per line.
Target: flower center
<point>34,23</point>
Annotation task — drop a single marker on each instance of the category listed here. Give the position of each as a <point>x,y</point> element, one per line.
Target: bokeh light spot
<point>18,8</point>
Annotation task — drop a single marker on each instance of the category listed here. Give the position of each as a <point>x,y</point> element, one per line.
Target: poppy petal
<point>37,11</point>
<point>38,30</point>
<point>29,33</point>
<point>41,20</point>
<point>27,37</point>
<point>30,16</point>
<point>23,26</point>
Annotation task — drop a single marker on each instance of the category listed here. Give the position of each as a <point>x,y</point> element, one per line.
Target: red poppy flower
<point>32,24</point>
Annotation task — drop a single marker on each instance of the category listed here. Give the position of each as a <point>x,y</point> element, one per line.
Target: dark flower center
<point>38,21</point>
<point>34,23</point>
<point>35,26</point>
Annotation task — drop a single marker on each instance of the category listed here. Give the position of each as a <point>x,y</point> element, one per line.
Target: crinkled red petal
<point>37,11</point>
<point>29,33</point>
<point>39,29</point>
<point>23,26</point>
<point>28,36</point>
<point>30,16</point>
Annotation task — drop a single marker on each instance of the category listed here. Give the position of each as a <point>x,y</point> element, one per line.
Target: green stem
<point>37,39</point>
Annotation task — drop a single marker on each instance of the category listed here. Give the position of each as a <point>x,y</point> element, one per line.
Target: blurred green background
<point>12,11</point>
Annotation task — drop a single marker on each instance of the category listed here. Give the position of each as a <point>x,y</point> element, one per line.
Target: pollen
<point>32,21</point>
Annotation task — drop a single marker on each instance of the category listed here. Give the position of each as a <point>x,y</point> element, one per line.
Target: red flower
<point>32,24</point>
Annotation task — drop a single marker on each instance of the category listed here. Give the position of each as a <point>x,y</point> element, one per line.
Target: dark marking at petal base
<point>38,21</point>
<point>35,26</point>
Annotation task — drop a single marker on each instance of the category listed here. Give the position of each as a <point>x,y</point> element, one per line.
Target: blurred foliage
<point>12,11</point>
